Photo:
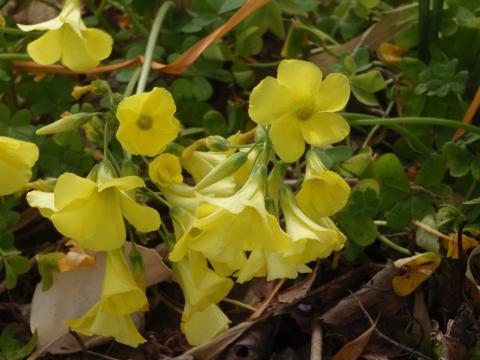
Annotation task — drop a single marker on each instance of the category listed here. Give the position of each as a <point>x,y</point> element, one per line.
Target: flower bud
<point>68,122</point>
<point>222,170</point>
<point>217,143</point>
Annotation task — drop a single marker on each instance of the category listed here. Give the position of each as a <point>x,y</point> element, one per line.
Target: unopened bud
<point>217,143</point>
<point>222,170</point>
<point>68,122</point>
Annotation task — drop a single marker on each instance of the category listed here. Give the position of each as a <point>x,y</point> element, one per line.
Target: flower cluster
<point>233,219</point>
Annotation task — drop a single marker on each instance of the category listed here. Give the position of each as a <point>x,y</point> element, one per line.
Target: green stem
<point>414,140</point>
<point>386,241</point>
<point>13,56</point>
<point>13,31</point>
<point>152,39</point>
<point>131,83</point>
<point>154,195</point>
<point>365,120</point>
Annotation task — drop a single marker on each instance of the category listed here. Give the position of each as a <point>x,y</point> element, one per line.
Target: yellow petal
<point>16,160</point>
<point>125,183</point>
<point>324,129</point>
<point>333,93</point>
<point>323,192</point>
<point>302,78</point>
<point>98,43</point>
<point>72,187</point>
<point>120,293</point>
<point>52,24</point>
<point>96,322</point>
<point>201,326</point>
<point>159,104</point>
<point>270,101</point>
<point>129,108</point>
<point>143,218</point>
<point>96,223</point>
<point>75,54</point>
<point>44,201</point>
<point>287,139</point>
<point>47,49</point>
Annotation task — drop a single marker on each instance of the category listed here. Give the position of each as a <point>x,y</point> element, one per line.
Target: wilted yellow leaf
<point>417,269</point>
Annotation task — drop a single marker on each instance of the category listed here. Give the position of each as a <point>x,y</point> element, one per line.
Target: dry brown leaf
<point>422,328</point>
<point>300,289</point>
<point>72,294</point>
<point>376,297</point>
<point>180,65</point>
<point>355,348</point>
<point>468,272</point>
<point>382,31</point>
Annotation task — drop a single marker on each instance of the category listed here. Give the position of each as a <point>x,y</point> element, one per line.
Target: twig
<point>101,355</point>
<point>267,302</point>
<point>385,337</point>
<point>316,341</point>
<point>472,109</point>
<point>239,304</point>
<point>432,231</point>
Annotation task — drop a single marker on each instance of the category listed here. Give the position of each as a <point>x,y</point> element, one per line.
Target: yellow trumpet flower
<point>93,214</point>
<point>300,108</point>
<point>16,161</point>
<point>69,40</point>
<point>323,192</point>
<point>311,240</point>
<point>112,314</point>
<point>165,170</point>
<point>147,124</point>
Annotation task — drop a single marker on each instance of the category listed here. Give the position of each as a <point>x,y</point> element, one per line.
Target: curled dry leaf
<point>72,294</point>
<point>468,273</point>
<point>355,348</point>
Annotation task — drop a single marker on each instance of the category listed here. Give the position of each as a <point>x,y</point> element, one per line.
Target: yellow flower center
<point>304,113</point>
<point>144,122</point>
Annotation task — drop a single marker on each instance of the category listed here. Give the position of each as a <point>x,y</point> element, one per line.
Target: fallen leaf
<point>72,294</point>
<point>376,297</point>
<point>422,328</point>
<point>355,348</point>
<point>390,54</point>
<point>300,289</point>
<point>468,273</point>
<point>417,269</point>
<point>468,242</point>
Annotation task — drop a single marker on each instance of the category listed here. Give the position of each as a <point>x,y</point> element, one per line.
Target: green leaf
<point>432,172</point>
<point>15,265</point>
<point>249,42</point>
<point>371,81</point>
<point>358,164</point>
<point>214,123</point>
<point>404,212</point>
<point>363,203</point>
<point>334,155</point>
<point>392,178</point>
<point>11,348</point>
<point>361,230</point>
<point>201,88</point>
<point>47,265</point>
<point>459,159</point>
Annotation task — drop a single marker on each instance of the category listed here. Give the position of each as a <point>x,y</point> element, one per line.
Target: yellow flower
<point>200,163</point>
<point>68,39</point>
<point>146,121</point>
<point>121,297</point>
<point>417,269</point>
<point>300,108</point>
<point>311,240</point>
<point>16,161</point>
<point>165,169</point>
<point>270,264</point>
<point>323,192</point>
<point>93,214</point>
<point>222,230</point>
<point>202,288</point>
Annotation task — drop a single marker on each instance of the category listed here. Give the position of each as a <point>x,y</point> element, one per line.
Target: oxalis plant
<point>267,200</point>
